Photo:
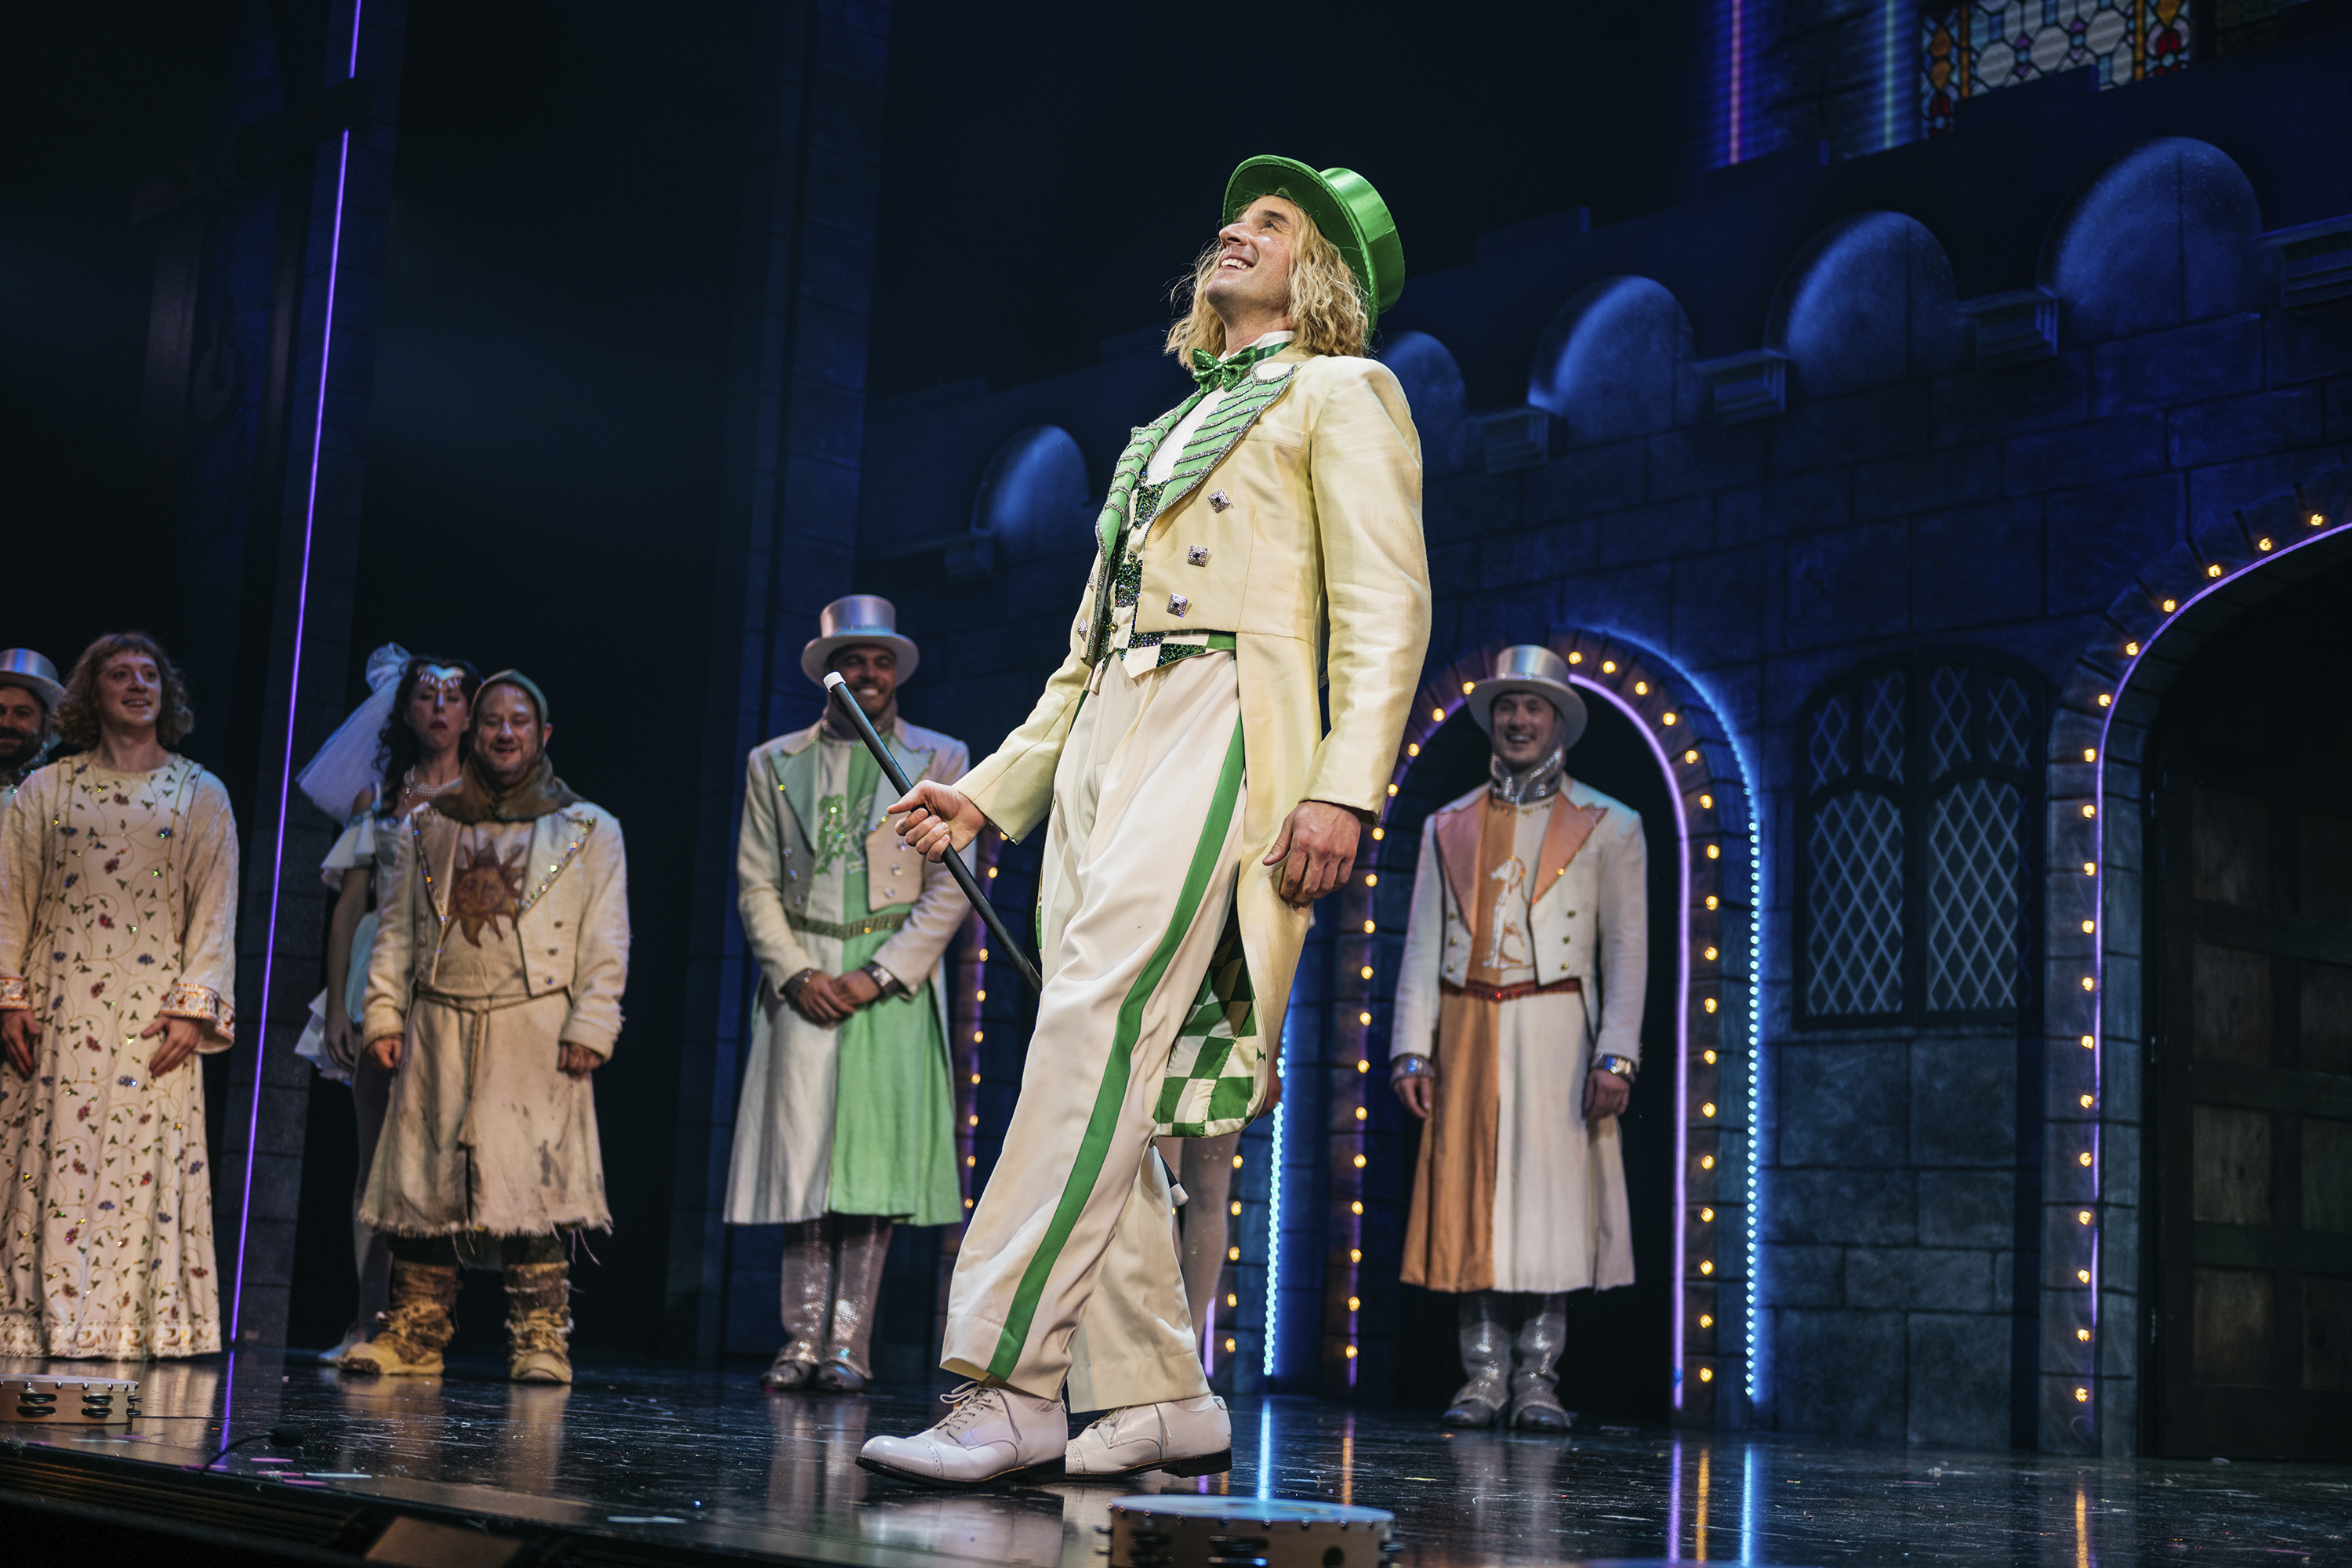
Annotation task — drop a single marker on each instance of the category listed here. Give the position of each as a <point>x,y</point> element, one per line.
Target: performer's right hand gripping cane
<point>939,820</point>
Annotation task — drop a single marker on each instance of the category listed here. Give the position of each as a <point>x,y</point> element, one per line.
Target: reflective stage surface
<point>704,1456</point>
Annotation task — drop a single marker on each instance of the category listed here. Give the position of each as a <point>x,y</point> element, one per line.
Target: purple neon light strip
<point>2099,892</point>
<point>293,692</point>
<point>1738,65</point>
<point>1674,1495</point>
<point>1682,1003</point>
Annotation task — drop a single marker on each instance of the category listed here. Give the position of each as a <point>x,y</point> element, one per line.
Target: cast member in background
<point>1519,1030</point>
<point>1203,1170</point>
<point>494,990</point>
<point>399,749</point>
<point>1260,549</point>
<point>29,693</point>
<point>847,1121</point>
<point>118,957</point>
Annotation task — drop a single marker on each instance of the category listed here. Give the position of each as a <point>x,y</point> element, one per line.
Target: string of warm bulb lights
<point>2087,1154</point>
<point>1685,740</point>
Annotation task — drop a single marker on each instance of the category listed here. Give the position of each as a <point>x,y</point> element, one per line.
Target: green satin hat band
<point>1345,206</point>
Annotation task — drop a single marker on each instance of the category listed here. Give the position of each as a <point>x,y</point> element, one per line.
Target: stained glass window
<point>1987,44</point>
<point>1915,841</point>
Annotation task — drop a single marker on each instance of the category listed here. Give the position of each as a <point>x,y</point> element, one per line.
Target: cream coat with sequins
<point>484,1130</point>
<point>571,937</point>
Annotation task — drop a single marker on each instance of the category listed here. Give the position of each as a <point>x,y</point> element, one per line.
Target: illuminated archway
<point>2093,1170</point>
<point>1713,1029</point>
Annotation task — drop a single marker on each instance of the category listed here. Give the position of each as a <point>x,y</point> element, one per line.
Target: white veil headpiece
<point>346,765</point>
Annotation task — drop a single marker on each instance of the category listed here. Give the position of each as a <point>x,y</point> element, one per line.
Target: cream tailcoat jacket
<point>1305,542</point>
<point>484,1130</point>
<point>1588,917</point>
<point>780,1170</point>
<point>774,857</point>
<point>572,934</point>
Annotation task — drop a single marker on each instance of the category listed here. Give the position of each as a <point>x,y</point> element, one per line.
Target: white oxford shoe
<point>1182,1437</point>
<point>989,1435</point>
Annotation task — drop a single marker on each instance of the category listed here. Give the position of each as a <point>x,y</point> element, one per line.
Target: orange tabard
<point>1455,1178</point>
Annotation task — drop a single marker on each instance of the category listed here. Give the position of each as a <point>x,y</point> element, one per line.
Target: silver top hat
<point>860,618</point>
<point>23,666</point>
<point>1530,666</point>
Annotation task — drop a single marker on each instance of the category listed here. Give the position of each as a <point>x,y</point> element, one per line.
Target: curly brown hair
<point>78,711</point>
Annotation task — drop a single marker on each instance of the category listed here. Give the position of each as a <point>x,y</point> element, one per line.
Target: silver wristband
<point>1623,1066</point>
<point>1410,1064</point>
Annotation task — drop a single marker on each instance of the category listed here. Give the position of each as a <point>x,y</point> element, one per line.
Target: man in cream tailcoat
<point>1518,1031</point>
<point>493,992</point>
<point>846,1122</point>
<point>1261,542</point>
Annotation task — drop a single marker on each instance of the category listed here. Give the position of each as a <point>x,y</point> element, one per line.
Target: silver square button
<point>1219,501</point>
<point>1198,555</point>
<point>1178,604</point>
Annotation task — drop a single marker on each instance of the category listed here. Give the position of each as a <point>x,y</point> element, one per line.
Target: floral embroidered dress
<point>117,899</point>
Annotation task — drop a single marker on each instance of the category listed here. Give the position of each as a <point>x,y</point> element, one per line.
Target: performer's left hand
<point>857,987</point>
<point>1315,850</point>
<point>181,1038</point>
<point>1605,1094</point>
<point>579,1061</point>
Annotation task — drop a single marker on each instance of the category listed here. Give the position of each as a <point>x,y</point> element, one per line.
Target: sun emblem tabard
<point>486,888</point>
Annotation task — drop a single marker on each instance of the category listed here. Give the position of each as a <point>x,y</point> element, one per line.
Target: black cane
<point>839,691</point>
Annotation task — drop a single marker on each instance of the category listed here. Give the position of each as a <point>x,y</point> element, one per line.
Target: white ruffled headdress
<point>346,766</point>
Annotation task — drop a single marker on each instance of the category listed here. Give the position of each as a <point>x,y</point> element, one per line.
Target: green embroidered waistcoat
<point>1133,505</point>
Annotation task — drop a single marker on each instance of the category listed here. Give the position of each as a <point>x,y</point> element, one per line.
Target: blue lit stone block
<point>1831,1369</point>
<point>1959,1366</point>
<point>1967,1208</point>
<point>1861,1207</point>
<point>2186,364</point>
<point>1963,1099</point>
<point>1844,1103</point>
<point>1973,406</point>
<point>2232,428</point>
<point>1919,1279</point>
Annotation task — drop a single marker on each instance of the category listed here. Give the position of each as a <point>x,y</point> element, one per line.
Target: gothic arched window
<point>1914,841</point>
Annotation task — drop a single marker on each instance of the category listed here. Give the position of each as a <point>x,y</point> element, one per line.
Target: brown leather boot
<point>539,1322</point>
<point>412,1333</point>
<point>865,1248</point>
<point>807,1297</point>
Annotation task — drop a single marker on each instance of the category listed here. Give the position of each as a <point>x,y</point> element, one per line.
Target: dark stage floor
<point>704,1457</point>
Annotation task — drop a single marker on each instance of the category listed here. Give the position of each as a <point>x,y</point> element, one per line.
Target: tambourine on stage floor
<point>680,1466</point>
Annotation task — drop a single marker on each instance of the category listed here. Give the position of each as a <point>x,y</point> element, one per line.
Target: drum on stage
<point>1180,1532</point>
<point>68,1401</point>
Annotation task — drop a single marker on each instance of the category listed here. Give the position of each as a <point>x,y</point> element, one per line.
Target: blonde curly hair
<point>78,710</point>
<point>1327,302</point>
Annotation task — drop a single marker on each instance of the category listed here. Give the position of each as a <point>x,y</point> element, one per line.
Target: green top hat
<point>1344,207</point>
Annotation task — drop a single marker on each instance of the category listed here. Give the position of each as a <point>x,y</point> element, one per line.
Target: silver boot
<point>1485,1356</point>
<point>1535,1406</point>
<point>865,1246</point>
<point>808,1295</point>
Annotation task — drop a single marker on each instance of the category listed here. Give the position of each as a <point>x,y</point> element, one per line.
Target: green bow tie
<point>1214,374</point>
